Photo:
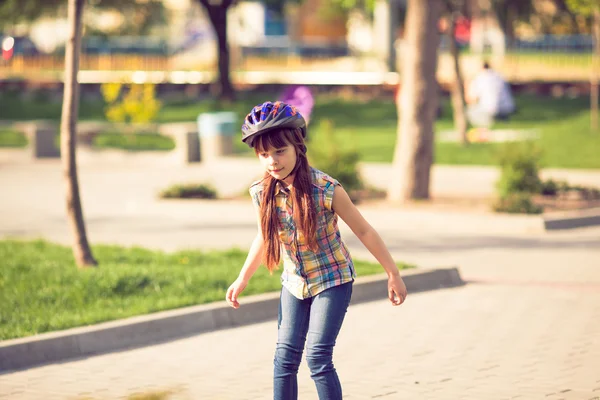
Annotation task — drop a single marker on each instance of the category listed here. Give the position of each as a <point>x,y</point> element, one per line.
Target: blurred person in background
<point>489,98</point>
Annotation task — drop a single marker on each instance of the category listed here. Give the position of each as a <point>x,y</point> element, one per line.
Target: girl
<point>297,218</point>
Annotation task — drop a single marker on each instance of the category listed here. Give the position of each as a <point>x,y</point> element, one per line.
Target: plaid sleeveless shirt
<point>307,273</point>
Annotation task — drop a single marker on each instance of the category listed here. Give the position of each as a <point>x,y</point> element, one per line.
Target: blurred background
<point>193,55</point>
<point>527,40</point>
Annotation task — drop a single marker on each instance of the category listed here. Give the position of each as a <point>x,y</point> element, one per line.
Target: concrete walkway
<point>527,326</point>
<point>482,341</point>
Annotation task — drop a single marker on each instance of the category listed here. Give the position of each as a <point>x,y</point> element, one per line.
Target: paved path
<point>527,328</point>
<point>477,342</point>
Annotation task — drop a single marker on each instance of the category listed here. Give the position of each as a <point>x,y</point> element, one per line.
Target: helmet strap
<point>293,170</point>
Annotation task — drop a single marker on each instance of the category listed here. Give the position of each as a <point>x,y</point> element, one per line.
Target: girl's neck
<point>288,181</point>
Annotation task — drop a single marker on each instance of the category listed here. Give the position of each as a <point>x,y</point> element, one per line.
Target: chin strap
<point>283,179</point>
<point>297,163</point>
<point>293,170</point>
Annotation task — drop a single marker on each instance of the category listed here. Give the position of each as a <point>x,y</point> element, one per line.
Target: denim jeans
<point>316,321</point>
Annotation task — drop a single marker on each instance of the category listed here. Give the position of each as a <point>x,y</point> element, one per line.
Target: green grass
<point>562,59</point>
<point>10,138</point>
<point>41,289</point>
<point>370,127</point>
<point>566,140</point>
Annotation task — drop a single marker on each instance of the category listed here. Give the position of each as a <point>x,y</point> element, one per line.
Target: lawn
<point>12,138</point>
<point>566,139</point>
<point>41,289</point>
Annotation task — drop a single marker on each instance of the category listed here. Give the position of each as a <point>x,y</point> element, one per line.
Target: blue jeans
<point>319,320</point>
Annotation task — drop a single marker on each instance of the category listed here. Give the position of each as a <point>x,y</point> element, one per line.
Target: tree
<point>81,249</point>
<point>139,16</point>
<point>563,9</point>
<point>13,12</point>
<point>457,93</point>
<point>217,13</point>
<point>16,11</point>
<point>510,11</point>
<point>591,8</point>
<point>418,103</point>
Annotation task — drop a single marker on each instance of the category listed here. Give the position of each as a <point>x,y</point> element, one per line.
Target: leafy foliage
<point>139,16</point>
<point>189,191</point>
<point>327,155</point>
<point>517,203</point>
<point>137,104</point>
<point>550,187</point>
<point>519,179</point>
<point>520,169</point>
<point>15,11</point>
<point>583,7</point>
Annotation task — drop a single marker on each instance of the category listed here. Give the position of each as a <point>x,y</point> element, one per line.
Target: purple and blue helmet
<point>268,117</point>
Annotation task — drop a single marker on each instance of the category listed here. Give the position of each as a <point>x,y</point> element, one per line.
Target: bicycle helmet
<point>270,116</point>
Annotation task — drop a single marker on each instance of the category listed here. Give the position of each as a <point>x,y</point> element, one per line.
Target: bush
<point>329,156</point>
<point>517,203</point>
<point>587,193</point>
<point>553,188</point>
<point>136,104</point>
<point>10,138</point>
<point>550,187</point>
<point>520,169</point>
<point>189,191</point>
<point>134,141</point>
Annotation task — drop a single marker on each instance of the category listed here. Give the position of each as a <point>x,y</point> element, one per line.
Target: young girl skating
<point>297,209</point>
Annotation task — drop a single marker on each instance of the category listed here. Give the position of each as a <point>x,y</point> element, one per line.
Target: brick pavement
<point>531,331</point>
<point>481,341</point>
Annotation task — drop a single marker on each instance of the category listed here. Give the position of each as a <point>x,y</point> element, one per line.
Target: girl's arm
<point>343,206</point>
<point>253,261</point>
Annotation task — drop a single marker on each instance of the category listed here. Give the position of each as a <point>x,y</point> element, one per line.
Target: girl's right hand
<point>234,291</point>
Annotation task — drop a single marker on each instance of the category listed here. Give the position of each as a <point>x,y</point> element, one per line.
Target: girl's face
<point>279,162</point>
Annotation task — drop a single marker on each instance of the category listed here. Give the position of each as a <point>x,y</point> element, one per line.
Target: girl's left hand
<point>396,289</point>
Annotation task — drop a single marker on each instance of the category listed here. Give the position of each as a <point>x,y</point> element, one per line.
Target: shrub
<point>136,104</point>
<point>189,191</point>
<point>550,187</point>
<point>587,193</point>
<point>553,188</point>
<point>520,169</point>
<point>328,155</point>
<point>517,203</point>
<point>134,141</point>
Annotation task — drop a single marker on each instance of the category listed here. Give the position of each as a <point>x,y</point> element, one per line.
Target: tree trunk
<point>418,103</point>
<point>217,13</point>
<point>595,70</point>
<point>81,249</point>
<point>458,89</point>
<point>511,17</point>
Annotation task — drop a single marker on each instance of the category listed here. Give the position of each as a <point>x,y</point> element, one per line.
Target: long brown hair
<point>303,206</point>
